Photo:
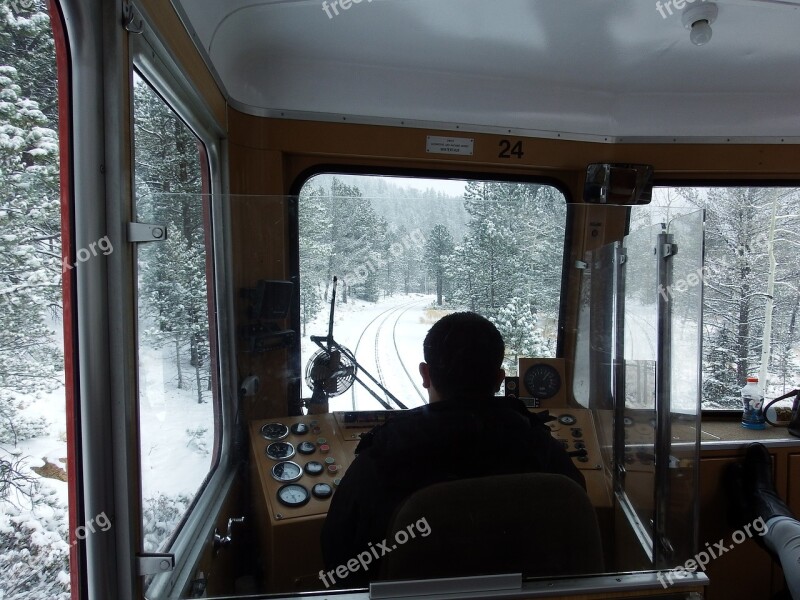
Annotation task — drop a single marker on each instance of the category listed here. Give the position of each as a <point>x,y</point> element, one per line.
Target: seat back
<point>531,523</point>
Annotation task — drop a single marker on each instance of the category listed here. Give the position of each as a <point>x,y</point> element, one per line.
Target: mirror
<point>620,184</point>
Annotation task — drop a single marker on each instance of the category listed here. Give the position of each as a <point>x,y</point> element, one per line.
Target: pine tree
<point>720,379</point>
<point>173,280</point>
<point>30,262</point>
<point>438,250</point>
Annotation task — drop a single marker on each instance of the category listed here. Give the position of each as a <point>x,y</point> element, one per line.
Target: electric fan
<point>329,374</point>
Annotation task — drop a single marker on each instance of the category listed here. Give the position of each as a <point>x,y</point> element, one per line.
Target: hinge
<point>579,264</point>
<point>146,232</point>
<point>154,563</point>
<point>131,19</point>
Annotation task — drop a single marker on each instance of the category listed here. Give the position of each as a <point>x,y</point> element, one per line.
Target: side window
<point>741,234</point>
<point>176,363</point>
<point>34,522</point>
<point>409,251</point>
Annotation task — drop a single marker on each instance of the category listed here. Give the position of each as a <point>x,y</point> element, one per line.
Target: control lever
<point>578,453</point>
<point>223,542</point>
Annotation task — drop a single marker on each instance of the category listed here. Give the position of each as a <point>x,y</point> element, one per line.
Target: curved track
<point>399,310</point>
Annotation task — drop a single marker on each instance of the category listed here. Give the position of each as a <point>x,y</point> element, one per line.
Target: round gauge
<point>280,450</point>
<point>299,429</point>
<point>274,431</point>
<point>306,447</point>
<point>322,491</point>
<point>542,381</point>
<point>567,419</point>
<point>287,471</point>
<point>627,421</point>
<point>314,468</point>
<point>293,495</point>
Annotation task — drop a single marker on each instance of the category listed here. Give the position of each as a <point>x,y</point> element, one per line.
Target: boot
<point>760,486</point>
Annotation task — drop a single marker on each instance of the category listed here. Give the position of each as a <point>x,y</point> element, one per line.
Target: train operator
<point>457,435</point>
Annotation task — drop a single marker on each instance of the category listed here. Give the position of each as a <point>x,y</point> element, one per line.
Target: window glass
<point>176,360</point>
<point>34,522</point>
<point>409,251</point>
<point>740,237</point>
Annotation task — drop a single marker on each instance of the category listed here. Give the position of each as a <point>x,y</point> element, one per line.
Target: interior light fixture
<point>698,19</point>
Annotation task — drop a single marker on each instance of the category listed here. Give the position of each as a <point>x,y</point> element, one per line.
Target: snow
<point>171,465</point>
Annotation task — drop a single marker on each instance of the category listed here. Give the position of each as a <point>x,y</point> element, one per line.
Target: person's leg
<point>782,535</point>
<point>783,538</point>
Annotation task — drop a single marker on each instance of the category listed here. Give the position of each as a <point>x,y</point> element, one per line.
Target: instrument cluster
<point>301,463</point>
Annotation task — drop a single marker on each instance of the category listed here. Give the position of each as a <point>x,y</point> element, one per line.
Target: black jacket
<point>443,441</point>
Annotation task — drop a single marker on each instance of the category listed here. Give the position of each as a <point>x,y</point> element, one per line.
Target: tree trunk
<point>178,361</point>
<point>199,382</point>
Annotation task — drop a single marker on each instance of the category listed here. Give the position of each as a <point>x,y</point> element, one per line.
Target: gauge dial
<point>306,447</point>
<point>567,419</point>
<point>299,429</point>
<point>627,421</point>
<point>322,491</point>
<point>274,431</point>
<point>287,471</point>
<point>293,495</point>
<point>542,381</point>
<point>280,450</point>
<point>314,468</point>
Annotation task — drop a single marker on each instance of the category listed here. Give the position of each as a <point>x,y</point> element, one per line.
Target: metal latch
<point>668,250</point>
<point>146,232</point>
<point>154,563</point>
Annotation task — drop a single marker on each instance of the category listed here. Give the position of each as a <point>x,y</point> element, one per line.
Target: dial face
<point>542,381</point>
<point>293,495</point>
<point>280,450</point>
<point>287,471</point>
<point>314,468</point>
<point>299,429</point>
<point>567,419</point>
<point>306,448</point>
<point>322,491</point>
<point>274,431</point>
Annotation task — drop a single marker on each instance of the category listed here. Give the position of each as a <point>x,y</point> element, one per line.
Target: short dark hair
<point>464,351</point>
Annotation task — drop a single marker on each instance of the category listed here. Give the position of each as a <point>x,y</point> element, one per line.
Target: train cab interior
<point>297,190</point>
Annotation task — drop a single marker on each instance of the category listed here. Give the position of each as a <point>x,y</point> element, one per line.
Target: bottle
<point>752,400</point>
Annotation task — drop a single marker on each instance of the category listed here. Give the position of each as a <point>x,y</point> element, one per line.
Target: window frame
<point>159,70</point>
<point>362,170</point>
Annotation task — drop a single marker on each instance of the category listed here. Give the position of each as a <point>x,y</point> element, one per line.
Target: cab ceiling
<point>610,70</point>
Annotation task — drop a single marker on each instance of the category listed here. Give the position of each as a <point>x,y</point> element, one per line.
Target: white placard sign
<point>449,145</point>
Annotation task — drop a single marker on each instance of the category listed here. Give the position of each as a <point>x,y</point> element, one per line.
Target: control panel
<point>574,429</point>
<point>300,461</point>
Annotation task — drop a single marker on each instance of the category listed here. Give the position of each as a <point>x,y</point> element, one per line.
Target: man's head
<point>463,358</point>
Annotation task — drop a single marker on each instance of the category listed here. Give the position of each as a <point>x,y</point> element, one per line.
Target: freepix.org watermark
<point>379,550</point>
<point>20,5</point>
<point>81,531</point>
<point>681,285</point>
<point>665,8</point>
<point>343,4</point>
<point>370,266</point>
<point>702,558</point>
<point>84,254</point>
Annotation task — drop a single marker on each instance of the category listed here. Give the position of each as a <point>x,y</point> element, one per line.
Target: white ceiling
<point>578,68</point>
